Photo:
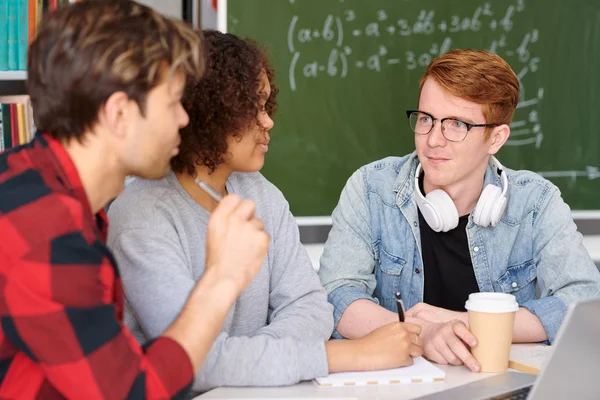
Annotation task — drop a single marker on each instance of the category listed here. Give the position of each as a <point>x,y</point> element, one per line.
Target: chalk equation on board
<point>348,26</point>
<point>589,172</point>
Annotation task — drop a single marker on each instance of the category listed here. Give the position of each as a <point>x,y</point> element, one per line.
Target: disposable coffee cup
<point>491,320</point>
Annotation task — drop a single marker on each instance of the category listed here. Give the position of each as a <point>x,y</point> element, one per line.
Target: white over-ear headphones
<point>439,210</point>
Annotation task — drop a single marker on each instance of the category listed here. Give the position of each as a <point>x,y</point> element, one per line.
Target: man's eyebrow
<point>426,112</point>
<point>463,119</point>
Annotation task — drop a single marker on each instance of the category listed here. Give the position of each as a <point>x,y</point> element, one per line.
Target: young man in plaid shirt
<point>106,80</point>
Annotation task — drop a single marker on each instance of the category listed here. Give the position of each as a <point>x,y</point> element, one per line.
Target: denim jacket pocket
<point>390,264</point>
<point>388,278</point>
<point>517,277</point>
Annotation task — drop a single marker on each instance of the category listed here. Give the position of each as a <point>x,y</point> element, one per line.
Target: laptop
<point>570,372</point>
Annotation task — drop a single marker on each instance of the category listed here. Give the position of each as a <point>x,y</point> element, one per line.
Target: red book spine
<point>14,125</point>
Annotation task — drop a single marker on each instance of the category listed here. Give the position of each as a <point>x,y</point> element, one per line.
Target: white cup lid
<point>492,302</point>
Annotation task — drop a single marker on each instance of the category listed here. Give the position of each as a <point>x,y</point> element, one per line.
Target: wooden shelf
<point>13,75</point>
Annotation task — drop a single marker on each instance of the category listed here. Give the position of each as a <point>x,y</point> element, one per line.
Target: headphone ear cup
<point>430,215</point>
<point>498,210</point>
<point>484,210</point>
<point>445,210</point>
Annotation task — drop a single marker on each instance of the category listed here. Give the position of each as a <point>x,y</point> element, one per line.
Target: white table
<point>455,376</point>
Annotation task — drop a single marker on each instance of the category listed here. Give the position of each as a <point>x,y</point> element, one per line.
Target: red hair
<point>480,77</point>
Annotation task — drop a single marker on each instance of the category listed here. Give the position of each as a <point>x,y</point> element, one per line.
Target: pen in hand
<point>208,189</point>
<point>400,306</point>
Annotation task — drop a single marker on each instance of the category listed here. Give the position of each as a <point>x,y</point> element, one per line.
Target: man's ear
<point>115,113</point>
<point>499,136</point>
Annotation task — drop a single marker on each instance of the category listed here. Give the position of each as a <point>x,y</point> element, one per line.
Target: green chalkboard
<point>349,68</point>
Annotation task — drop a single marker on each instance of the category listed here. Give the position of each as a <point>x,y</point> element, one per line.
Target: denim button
<point>514,284</point>
<point>475,249</point>
<point>417,271</point>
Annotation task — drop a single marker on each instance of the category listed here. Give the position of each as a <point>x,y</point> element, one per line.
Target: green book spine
<point>22,34</point>
<point>6,126</point>
<point>3,35</point>
<point>13,35</point>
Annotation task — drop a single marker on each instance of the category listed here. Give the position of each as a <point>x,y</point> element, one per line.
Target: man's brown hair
<point>481,77</point>
<point>85,52</point>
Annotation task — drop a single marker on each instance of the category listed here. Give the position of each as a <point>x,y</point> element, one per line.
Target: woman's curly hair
<point>224,101</point>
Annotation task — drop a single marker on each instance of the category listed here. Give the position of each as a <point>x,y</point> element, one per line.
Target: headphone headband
<point>439,210</point>
<point>500,171</point>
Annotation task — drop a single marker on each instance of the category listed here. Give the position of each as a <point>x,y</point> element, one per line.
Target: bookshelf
<point>13,75</point>
<point>12,82</point>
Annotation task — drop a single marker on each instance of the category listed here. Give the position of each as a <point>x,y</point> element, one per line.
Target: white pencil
<point>208,189</point>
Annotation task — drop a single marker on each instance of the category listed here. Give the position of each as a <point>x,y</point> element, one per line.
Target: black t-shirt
<point>449,276</point>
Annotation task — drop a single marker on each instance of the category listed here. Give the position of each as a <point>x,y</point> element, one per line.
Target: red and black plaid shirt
<point>61,300</point>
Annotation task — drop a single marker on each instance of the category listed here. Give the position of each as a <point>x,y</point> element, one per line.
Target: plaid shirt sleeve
<point>61,307</point>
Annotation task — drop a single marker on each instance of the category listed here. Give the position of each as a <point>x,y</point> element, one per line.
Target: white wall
<point>209,15</point>
<point>171,8</point>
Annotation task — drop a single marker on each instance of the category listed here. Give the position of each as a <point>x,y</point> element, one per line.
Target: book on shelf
<point>12,35</point>
<point>1,131</point>
<point>17,126</point>
<point>3,35</point>
<point>19,20</point>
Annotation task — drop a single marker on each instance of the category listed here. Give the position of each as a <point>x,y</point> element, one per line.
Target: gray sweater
<point>274,334</point>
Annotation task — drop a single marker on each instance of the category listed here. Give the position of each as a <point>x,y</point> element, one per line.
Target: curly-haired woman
<point>277,332</point>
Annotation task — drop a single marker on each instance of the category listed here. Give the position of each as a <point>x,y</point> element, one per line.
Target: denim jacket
<point>535,252</point>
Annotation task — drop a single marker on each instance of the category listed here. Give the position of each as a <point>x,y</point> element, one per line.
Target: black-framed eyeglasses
<point>453,129</point>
